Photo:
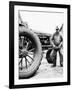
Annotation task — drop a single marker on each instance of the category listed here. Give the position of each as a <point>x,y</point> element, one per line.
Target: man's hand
<point>56,47</point>
<point>60,45</point>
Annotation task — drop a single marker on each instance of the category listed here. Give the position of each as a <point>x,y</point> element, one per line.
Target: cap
<point>57,28</point>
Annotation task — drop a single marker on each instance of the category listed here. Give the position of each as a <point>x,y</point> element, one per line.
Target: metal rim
<point>26,52</point>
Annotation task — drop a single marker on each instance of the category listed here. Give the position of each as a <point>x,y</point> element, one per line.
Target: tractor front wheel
<point>30,53</point>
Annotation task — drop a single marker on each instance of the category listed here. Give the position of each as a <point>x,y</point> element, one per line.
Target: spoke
<point>21,64</point>
<point>21,61</point>
<point>22,40</point>
<point>27,45</point>
<point>31,49</point>
<point>30,57</point>
<point>28,61</point>
<point>20,52</point>
<point>31,53</point>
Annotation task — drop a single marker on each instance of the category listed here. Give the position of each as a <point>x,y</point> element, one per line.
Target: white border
<point>32,81</point>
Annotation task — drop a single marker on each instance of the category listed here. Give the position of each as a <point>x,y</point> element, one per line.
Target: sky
<point>44,22</point>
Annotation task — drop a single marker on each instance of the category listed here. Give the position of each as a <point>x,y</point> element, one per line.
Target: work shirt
<point>57,39</point>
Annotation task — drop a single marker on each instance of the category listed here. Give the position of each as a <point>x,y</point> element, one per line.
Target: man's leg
<point>61,58</point>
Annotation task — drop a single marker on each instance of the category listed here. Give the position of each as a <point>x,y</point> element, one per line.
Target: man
<point>56,41</point>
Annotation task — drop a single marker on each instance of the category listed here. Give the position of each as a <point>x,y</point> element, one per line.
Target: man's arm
<point>51,40</point>
<point>61,42</point>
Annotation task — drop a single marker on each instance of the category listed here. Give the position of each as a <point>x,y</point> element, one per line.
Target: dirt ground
<point>47,71</point>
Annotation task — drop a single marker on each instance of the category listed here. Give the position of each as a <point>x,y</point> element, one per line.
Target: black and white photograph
<point>40,44</point>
